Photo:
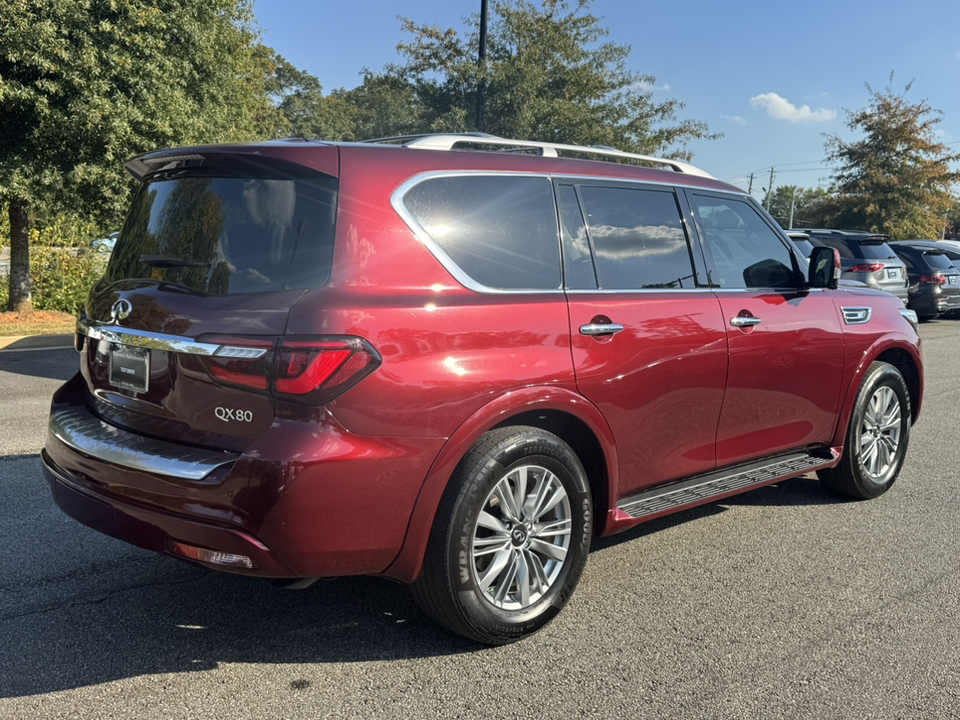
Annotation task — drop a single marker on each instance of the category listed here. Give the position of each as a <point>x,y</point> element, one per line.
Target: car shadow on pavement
<point>53,363</point>
<point>189,619</point>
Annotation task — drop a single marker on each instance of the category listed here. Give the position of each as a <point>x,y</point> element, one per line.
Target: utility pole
<point>793,204</point>
<point>766,200</point>
<point>480,63</point>
<point>750,188</point>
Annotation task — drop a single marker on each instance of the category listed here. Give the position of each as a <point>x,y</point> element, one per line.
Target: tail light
<point>934,279</point>
<point>316,371</point>
<point>866,268</point>
<point>311,371</point>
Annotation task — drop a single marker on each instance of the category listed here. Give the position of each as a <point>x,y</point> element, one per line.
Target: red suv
<point>455,360</point>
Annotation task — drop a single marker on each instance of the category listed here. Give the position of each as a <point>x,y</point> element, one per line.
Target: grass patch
<point>38,322</point>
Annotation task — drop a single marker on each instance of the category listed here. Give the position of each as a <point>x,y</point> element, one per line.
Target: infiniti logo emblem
<point>121,310</point>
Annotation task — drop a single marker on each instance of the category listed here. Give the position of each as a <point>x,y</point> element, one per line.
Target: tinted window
<point>938,260</point>
<point>637,238</point>
<point>852,248</point>
<point>577,258</point>
<point>746,252</point>
<point>228,232</point>
<point>499,230</point>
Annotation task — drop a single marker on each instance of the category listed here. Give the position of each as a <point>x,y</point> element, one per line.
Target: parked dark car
<point>454,361</point>
<point>934,278</point>
<point>867,258</point>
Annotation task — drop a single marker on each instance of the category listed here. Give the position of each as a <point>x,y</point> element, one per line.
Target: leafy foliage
<point>85,84</point>
<point>549,76</point>
<point>810,205</point>
<point>63,267</point>
<point>896,179</point>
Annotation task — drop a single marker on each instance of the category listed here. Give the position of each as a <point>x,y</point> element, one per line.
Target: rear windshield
<point>225,231</point>
<point>938,260</point>
<point>852,248</point>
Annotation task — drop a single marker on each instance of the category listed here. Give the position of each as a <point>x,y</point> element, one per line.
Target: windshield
<point>226,231</point>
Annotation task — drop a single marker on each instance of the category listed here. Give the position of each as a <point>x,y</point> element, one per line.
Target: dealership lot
<point>783,602</point>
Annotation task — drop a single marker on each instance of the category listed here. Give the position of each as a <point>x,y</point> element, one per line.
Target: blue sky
<point>772,76</point>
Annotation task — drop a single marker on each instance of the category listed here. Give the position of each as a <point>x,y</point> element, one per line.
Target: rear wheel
<point>877,436</point>
<point>511,537</point>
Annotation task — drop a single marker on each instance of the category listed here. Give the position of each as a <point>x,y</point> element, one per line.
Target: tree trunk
<point>19,257</point>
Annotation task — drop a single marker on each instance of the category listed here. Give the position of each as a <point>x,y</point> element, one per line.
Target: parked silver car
<point>867,258</point>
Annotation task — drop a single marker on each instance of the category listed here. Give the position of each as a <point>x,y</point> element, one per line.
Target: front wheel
<point>511,537</point>
<point>876,438</point>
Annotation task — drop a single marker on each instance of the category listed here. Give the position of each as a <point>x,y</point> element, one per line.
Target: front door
<point>785,344</point>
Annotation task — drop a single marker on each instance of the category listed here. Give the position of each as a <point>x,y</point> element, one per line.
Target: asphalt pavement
<point>784,602</point>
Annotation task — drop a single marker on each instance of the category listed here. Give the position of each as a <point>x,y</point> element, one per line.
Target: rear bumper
<point>306,499</point>
<point>153,529</point>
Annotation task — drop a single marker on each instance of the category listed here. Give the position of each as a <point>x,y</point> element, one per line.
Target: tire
<point>510,539</point>
<point>877,437</point>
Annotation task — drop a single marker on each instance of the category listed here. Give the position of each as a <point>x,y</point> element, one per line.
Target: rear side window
<point>500,231</point>
<point>227,231</point>
<point>637,238</point>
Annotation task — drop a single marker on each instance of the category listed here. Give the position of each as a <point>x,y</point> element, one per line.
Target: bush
<point>63,267</point>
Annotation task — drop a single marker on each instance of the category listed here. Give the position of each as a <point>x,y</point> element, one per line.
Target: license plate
<point>129,367</point>
<point>893,273</point>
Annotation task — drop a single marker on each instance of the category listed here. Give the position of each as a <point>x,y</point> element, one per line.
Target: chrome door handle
<point>740,321</point>
<point>600,329</point>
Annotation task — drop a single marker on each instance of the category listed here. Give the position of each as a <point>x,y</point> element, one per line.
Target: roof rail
<point>448,141</point>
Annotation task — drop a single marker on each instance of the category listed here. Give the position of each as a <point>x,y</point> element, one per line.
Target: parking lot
<point>783,602</point>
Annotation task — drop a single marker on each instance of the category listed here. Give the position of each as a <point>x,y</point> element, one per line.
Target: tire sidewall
<point>881,376</point>
<point>524,448</point>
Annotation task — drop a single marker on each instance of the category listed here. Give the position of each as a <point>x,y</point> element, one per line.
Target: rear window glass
<point>227,231</point>
<point>938,261</point>
<point>852,248</point>
<point>501,231</point>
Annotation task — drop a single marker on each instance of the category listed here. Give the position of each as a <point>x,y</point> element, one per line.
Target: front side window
<point>637,238</point>
<point>499,230</point>
<point>745,250</point>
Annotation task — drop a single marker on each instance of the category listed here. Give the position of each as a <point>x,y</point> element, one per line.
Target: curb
<point>36,342</point>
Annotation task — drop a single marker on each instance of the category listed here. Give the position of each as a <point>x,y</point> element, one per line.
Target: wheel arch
<point>557,410</point>
<point>905,358</point>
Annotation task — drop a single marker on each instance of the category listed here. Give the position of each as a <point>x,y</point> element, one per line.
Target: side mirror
<point>824,267</point>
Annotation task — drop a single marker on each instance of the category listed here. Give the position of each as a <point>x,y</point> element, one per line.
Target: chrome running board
<point>723,482</point>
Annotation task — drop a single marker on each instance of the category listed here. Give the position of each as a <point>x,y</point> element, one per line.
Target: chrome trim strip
<point>87,434</point>
<point>396,200</point>
<point>856,315</point>
<point>161,341</point>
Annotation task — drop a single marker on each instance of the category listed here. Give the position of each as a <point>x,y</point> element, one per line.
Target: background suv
<point>867,258</point>
<point>455,360</point>
<point>934,280</point>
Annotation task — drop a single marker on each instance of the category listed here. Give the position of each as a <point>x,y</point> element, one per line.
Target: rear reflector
<point>214,557</point>
<point>867,267</point>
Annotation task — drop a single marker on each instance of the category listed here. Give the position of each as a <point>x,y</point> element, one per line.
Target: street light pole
<point>480,62</point>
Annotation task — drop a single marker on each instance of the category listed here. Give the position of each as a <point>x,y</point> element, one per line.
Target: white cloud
<point>644,86</point>
<point>735,119</point>
<point>782,109</point>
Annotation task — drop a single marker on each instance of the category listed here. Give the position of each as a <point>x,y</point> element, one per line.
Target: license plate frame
<point>129,367</point>
<point>893,273</point>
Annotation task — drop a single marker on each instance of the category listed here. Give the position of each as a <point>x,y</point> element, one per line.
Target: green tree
<point>808,205</point>
<point>307,112</point>
<point>549,76</point>
<point>896,179</point>
<point>85,84</point>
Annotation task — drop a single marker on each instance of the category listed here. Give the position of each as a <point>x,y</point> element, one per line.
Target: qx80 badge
<point>228,414</point>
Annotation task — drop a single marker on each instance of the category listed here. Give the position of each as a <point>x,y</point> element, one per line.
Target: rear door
<point>785,342</point>
<point>648,343</point>
<point>181,332</point>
